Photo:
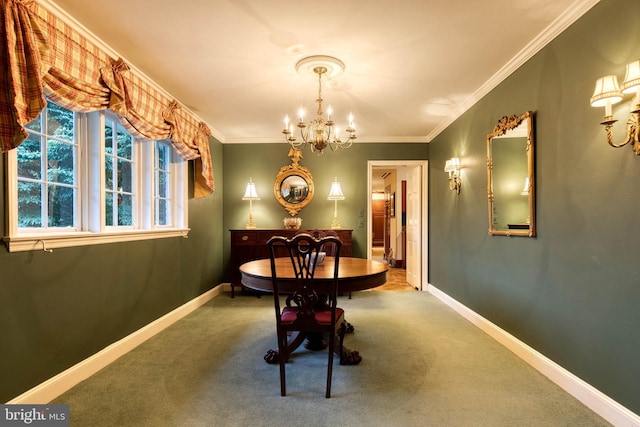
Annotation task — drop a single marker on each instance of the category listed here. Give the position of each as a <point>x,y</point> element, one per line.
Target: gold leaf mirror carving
<point>293,188</point>
<point>511,178</point>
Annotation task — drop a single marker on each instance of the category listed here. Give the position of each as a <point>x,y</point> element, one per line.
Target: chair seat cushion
<point>290,314</point>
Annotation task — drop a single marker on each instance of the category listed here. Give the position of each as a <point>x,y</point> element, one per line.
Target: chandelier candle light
<point>319,134</point>
<point>250,194</point>
<point>335,194</point>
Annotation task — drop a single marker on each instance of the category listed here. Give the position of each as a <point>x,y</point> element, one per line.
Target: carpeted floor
<point>423,365</point>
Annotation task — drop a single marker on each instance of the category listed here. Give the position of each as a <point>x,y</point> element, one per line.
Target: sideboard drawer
<point>244,238</point>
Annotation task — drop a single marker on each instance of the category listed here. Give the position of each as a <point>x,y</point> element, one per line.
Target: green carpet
<point>423,365</point>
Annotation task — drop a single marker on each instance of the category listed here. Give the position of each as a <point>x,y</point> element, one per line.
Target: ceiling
<point>411,66</point>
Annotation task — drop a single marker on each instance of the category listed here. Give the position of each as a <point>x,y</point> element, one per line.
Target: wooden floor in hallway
<point>396,277</point>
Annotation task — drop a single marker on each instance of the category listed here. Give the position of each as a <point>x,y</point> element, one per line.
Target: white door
<point>414,227</point>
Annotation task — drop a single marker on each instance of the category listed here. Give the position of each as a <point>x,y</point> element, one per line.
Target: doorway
<point>404,188</point>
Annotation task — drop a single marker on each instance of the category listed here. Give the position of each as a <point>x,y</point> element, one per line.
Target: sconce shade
<point>250,193</point>
<point>632,78</point>
<point>452,165</point>
<point>607,92</point>
<point>336,192</point>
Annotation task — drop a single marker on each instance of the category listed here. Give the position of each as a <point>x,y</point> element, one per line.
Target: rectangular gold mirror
<point>511,178</point>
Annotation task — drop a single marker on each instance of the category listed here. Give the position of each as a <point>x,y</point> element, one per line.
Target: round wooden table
<point>354,274</point>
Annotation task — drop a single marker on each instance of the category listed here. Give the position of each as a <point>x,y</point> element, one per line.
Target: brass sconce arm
<point>452,167</point>
<point>455,184</point>
<point>632,131</point>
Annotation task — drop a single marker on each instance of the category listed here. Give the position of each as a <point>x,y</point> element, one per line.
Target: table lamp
<point>250,194</point>
<point>335,194</point>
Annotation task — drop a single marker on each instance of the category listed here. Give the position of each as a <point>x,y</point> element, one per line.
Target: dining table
<point>354,274</point>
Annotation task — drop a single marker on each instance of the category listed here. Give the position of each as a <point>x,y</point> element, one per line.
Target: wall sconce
<point>452,166</point>
<point>250,194</point>
<point>335,194</point>
<point>608,92</point>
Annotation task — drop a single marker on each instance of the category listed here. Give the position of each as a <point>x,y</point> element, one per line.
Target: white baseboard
<point>595,400</point>
<point>54,387</point>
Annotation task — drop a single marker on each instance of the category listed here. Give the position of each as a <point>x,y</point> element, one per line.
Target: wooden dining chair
<point>328,248</point>
<point>312,307</point>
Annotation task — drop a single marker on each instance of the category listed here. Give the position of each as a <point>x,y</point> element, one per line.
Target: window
<point>83,179</point>
<point>47,173</point>
<point>119,179</point>
<point>162,184</point>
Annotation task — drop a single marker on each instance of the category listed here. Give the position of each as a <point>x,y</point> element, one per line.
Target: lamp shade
<point>631,81</point>
<point>336,191</point>
<point>250,193</point>
<point>606,91</point>
<point>452,164</point>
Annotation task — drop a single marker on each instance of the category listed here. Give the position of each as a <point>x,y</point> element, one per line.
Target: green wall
<point>262,162</point>
<point>572,293</point>
<point>57,309</point>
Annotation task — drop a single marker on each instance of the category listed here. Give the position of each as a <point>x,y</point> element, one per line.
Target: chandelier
<point>319,133</point>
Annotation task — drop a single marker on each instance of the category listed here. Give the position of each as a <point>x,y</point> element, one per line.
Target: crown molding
<point>571,15</point>
<point>359,140</point>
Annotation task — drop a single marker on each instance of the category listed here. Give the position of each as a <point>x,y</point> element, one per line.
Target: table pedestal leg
<point>316,342</point>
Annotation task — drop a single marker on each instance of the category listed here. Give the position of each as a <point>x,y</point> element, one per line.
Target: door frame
<point>424,264</point>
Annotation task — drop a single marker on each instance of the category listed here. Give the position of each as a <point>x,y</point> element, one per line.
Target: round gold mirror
<point>293,188</point>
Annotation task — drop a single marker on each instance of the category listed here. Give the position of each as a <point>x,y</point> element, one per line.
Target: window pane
<point>162,212</point>
<point>108,173</point>
<point>30,158</point>
<point>108,208</point>
<point>125,142</point>
<point>125,209</point>
<point>34,124</point>
<point>124,175</point>
<point>60,123</point>
<point>60,158</point>
<point>61,203</point>
<point>29,204</point>
<point>163,188</point>
<point>108,137</point>
<point>163,156</point>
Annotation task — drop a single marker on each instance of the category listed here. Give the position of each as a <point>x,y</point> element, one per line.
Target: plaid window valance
<point>46,56</point>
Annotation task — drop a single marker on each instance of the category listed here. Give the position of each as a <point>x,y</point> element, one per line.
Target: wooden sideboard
<point>247,245</point>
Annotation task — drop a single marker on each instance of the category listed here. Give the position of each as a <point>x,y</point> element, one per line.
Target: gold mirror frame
<point>518,225</point>
<point>293,170</point>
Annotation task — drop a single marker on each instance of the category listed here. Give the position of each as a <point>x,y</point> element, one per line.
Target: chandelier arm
<point>347,143</point>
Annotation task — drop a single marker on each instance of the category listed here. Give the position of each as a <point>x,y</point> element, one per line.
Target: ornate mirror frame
<point>508,129</point>
<point>293,205</point>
